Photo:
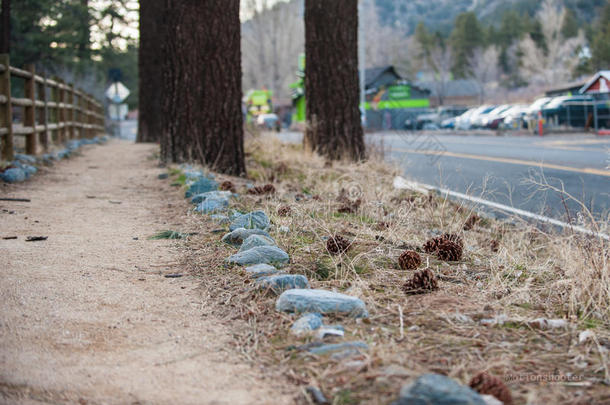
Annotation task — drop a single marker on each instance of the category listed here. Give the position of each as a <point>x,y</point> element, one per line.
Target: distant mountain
<point>439,15</point>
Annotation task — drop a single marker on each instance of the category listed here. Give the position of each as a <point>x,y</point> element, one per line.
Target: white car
<point>465,121</point>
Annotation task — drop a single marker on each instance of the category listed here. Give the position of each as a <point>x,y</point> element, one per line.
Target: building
<point>599,86</point>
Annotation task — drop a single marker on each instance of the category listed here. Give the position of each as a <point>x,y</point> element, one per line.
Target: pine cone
<point>471,222</point>
<point>431,246</point>
<point>422,281</point>
<point>409,260</point>
<point>453,238</point>
<point>487,384</point>
<point>266,189</point>
<point>494,245</point>
<point>449,251</point>
<point>337,244</point>
<point>350,207</point>
<point>284,210</point>
<point>227,186</point>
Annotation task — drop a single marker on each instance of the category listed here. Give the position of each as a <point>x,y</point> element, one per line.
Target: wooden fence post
<point>43,137</point>
<point>71,115</point>
<point>29,116</point>
<point>6,111</point>
<point>61,121</point>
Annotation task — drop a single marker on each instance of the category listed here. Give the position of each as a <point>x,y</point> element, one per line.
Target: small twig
<point>35,238</point>
<point>402,325</point>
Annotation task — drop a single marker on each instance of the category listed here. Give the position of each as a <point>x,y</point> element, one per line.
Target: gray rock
<point>237,237</point>
<point>259,254</point>
<point>260,270</point>
<point>282,282</point>
<point>203,185</point>
<point>306,323</point>
<point>251,220</point>
<point>254,241</point>
<point>13,175</point>
<point>212,204</point>
<point>25,158</point>
<point>221,219</point>
<point>336,347</point>
<point>322,301</point>
<point>436,389</point>
<point>210,194</point>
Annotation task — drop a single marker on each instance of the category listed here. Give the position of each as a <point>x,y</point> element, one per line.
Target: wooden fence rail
<point>53,111</point>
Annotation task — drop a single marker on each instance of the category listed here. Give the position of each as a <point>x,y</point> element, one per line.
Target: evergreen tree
<point>465,37</point>
<point>601,41</point>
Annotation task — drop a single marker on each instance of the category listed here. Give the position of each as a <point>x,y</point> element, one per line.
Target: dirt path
<point>87,315</point>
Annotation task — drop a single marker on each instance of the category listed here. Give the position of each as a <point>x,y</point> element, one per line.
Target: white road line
<point>401,181</point>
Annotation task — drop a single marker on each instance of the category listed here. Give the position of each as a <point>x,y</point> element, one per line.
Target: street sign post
<point>117,93</point>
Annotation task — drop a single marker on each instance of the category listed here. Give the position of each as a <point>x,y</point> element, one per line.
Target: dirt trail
<point>86,316</point>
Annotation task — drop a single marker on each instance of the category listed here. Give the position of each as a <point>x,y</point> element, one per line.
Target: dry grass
<point>534,273</point>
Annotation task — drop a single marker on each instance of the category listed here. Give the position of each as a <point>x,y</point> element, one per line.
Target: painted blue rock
<point>212,204</point>
<point>322,301</point>
<point>336,347</point>
<point>259,254</point>
<point>282,282</point>
<point>73,144</point>
<point>251,220</point>
<point>261,270</point>
<point>221,219</point>
<point>203,185</point>
<point>306,323</point>
<point>25,158</point>
<point>29,170</point>
<point>62,154</point>
<point>254,241</point>
<point>234,214</point>
<point>436,389</point>
<point>210,194</point>
<point>237,237</point>
<point>13,175</point>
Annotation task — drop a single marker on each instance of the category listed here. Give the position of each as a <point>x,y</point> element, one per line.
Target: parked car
<point>513,118</point>
<point>469,118</point>
<point>494,117</point>
<point>435,118</point>
<point>571,111</point>
<point>268,121</point>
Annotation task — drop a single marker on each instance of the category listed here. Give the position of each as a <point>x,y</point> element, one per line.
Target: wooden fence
<point>53,111</point>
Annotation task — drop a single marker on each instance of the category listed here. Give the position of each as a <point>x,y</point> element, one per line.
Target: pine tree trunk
<point>331,79</point>
<point>202,115</point>
<point>150,58</point>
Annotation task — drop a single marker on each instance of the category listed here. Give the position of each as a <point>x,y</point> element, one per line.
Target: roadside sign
<point>117,111</point>
<point>117,92</point>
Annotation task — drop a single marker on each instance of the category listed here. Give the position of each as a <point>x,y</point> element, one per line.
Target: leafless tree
<point>484,69</point>
<point>558,61</point>
<point>440,61</point>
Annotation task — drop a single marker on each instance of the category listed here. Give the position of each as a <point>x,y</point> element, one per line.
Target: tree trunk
<point>5,35</point>
<point>150,59</point>
<point>202,114</point>
<point>331,79</point>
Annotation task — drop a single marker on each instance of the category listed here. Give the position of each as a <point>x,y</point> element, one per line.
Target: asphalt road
<point>517,171</point>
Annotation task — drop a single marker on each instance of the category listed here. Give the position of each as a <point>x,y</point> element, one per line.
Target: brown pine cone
<point>284,210</point>
<point>227,186</point>
<point>409,260</point>
<point>337,244</point>
<point>494,245</point>
<point>487,384</point>
<point>453,238</point>
<point>449,251</point>
<point>349,207</point>
<point>431,246</point>
<point>423,281</point>
<point>471,222</point>
<point>258,190</point>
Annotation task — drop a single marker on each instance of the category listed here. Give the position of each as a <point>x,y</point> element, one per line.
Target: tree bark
<point>333,129</point>
<point>5,35</point>
<point>202,114</point>
<point>150,59</point>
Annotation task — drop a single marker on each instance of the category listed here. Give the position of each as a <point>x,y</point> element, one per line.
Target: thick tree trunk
<point>5,34</point>
<point>150,59</point>
<point>202,115</point>
<point>331,79</point>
